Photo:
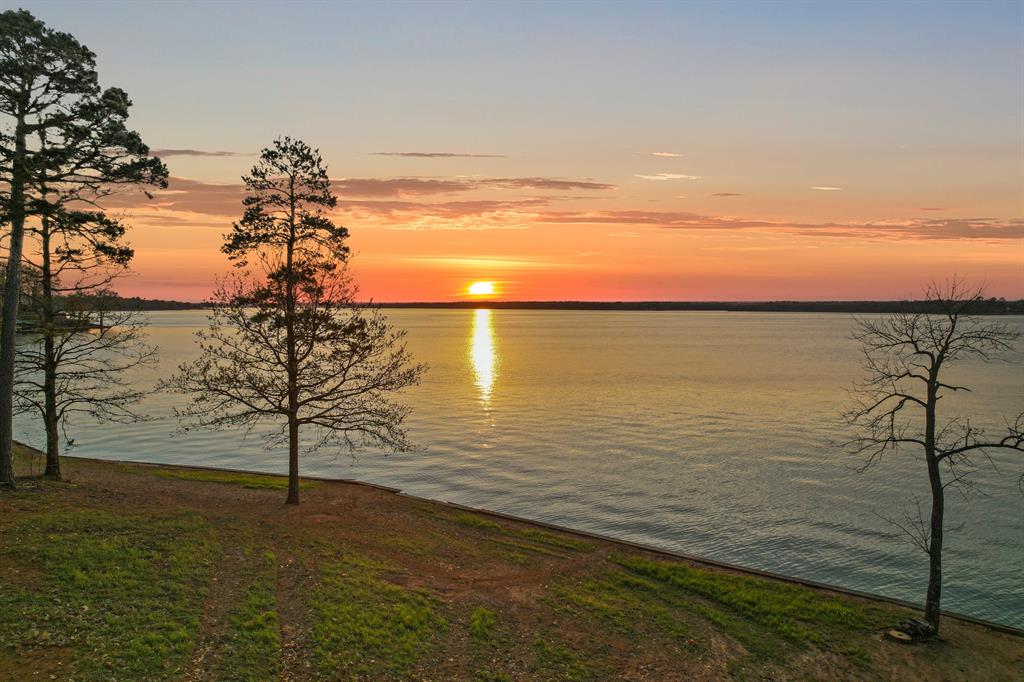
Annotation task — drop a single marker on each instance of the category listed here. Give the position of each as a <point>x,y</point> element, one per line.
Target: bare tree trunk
<point>934,595</point>
<point>12,294</point>
<point>933,598</point>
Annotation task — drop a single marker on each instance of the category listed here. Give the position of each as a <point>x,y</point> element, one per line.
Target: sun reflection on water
<point>483,355</point>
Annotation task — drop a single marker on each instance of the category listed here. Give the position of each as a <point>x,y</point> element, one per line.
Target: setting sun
<point>481,288</point>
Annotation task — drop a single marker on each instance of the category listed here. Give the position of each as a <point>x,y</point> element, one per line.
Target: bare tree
<point>905,356</point>
<point>83,343</point>
<point>291,347</point>
<point>75,364</point>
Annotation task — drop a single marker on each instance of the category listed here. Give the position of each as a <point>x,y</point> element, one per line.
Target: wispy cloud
<point>192,152</point>
<point>405,203</point>
<point>439,155</point>
<point>660,219</point>
<point>929,229</point>
<point>495,263</point>
<point>828,189</point>
<point>544,183</point>
<point>931,208</point>
<point>668,176</point>
<point>665,155</point>
<point>726,194</point>
<point>399,187</point>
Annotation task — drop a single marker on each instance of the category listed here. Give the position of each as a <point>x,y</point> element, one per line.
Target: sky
<point>589,151</point>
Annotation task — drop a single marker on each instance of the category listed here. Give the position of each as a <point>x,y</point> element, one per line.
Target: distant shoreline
<point>993,307</point>
<point>990,307</point>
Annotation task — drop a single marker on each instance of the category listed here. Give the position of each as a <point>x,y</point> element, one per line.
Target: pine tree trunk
<point>293,395</point>
<point>50,420</point>
<point>12,294</point>
<point>293,461</point>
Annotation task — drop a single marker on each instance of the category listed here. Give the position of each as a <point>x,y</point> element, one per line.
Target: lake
<point>704,433</point>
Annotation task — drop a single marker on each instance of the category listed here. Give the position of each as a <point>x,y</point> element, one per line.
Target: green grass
<point>786,610</point>
<point>560,541</point>
<point>626,603</point>
<point>251,646</point>
<point>556,661</point>
<point>482,624</point>
<point>365,626</point>
<point>253,481</point>
<point>647,600</point>
<point>477,522</point>
<point>122,594</point>
<point>542,542</point>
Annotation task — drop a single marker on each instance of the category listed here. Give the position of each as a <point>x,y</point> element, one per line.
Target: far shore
<point>140,570</point>
<point>991,307</point>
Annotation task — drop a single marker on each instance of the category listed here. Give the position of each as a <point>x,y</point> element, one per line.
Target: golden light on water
<point>481,288</point>
<point>482,354</point>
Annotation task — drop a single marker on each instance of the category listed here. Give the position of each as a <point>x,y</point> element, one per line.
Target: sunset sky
<point>591,151</point>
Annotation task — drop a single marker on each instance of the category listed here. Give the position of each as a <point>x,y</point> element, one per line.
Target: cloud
<point>544,183</point>
<point>660,219</point>
<point>399,187</point>
<point>398,203</point>
<point>194,196</point>
<point>828,189</point>
<point>184,195</point>
<point>192,152</point>
<point>439,155</point>
<point>367,187</point>
<point>931,208</point>
<point>726,194</point>
<point>666,155</point>
<point>668,176</point>
<point>928,229</point>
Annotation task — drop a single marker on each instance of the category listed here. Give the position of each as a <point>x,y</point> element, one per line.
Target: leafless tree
<point>74,364</point>
<point>291,347</point>
<point>905,356</point>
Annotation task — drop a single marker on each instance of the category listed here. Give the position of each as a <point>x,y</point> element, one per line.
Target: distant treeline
<point>991,306</point>
<point>136,303</point>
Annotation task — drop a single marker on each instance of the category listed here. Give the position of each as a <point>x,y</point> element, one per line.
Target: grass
<point>482,624</point>
<point>537,541</point>
<point>251,645</point>
<point>477,521</point>
<point>121,593</point>
<point>251,481</point>
<point>364,626</point>
<point>126,575</point>
<point>555,661</point>
<point>785,610</point>
<point>682,606</point>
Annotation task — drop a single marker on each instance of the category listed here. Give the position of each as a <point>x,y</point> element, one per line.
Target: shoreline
<point>651,549</point>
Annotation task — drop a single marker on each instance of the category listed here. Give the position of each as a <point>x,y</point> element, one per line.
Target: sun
<point>481,288</point>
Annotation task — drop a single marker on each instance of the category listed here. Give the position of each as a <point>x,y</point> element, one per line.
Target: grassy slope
<point>136,573</point>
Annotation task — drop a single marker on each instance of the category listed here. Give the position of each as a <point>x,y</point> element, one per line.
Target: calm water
<point>705,433</point>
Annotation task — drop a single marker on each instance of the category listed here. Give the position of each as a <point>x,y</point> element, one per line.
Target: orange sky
<point>419,238</point>
<point>614,151</point>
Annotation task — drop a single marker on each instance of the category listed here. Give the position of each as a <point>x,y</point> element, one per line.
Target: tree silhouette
<point>905,356</point>
<point>83,342</point>
<point>63,139</point>
<point>292,347</point>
